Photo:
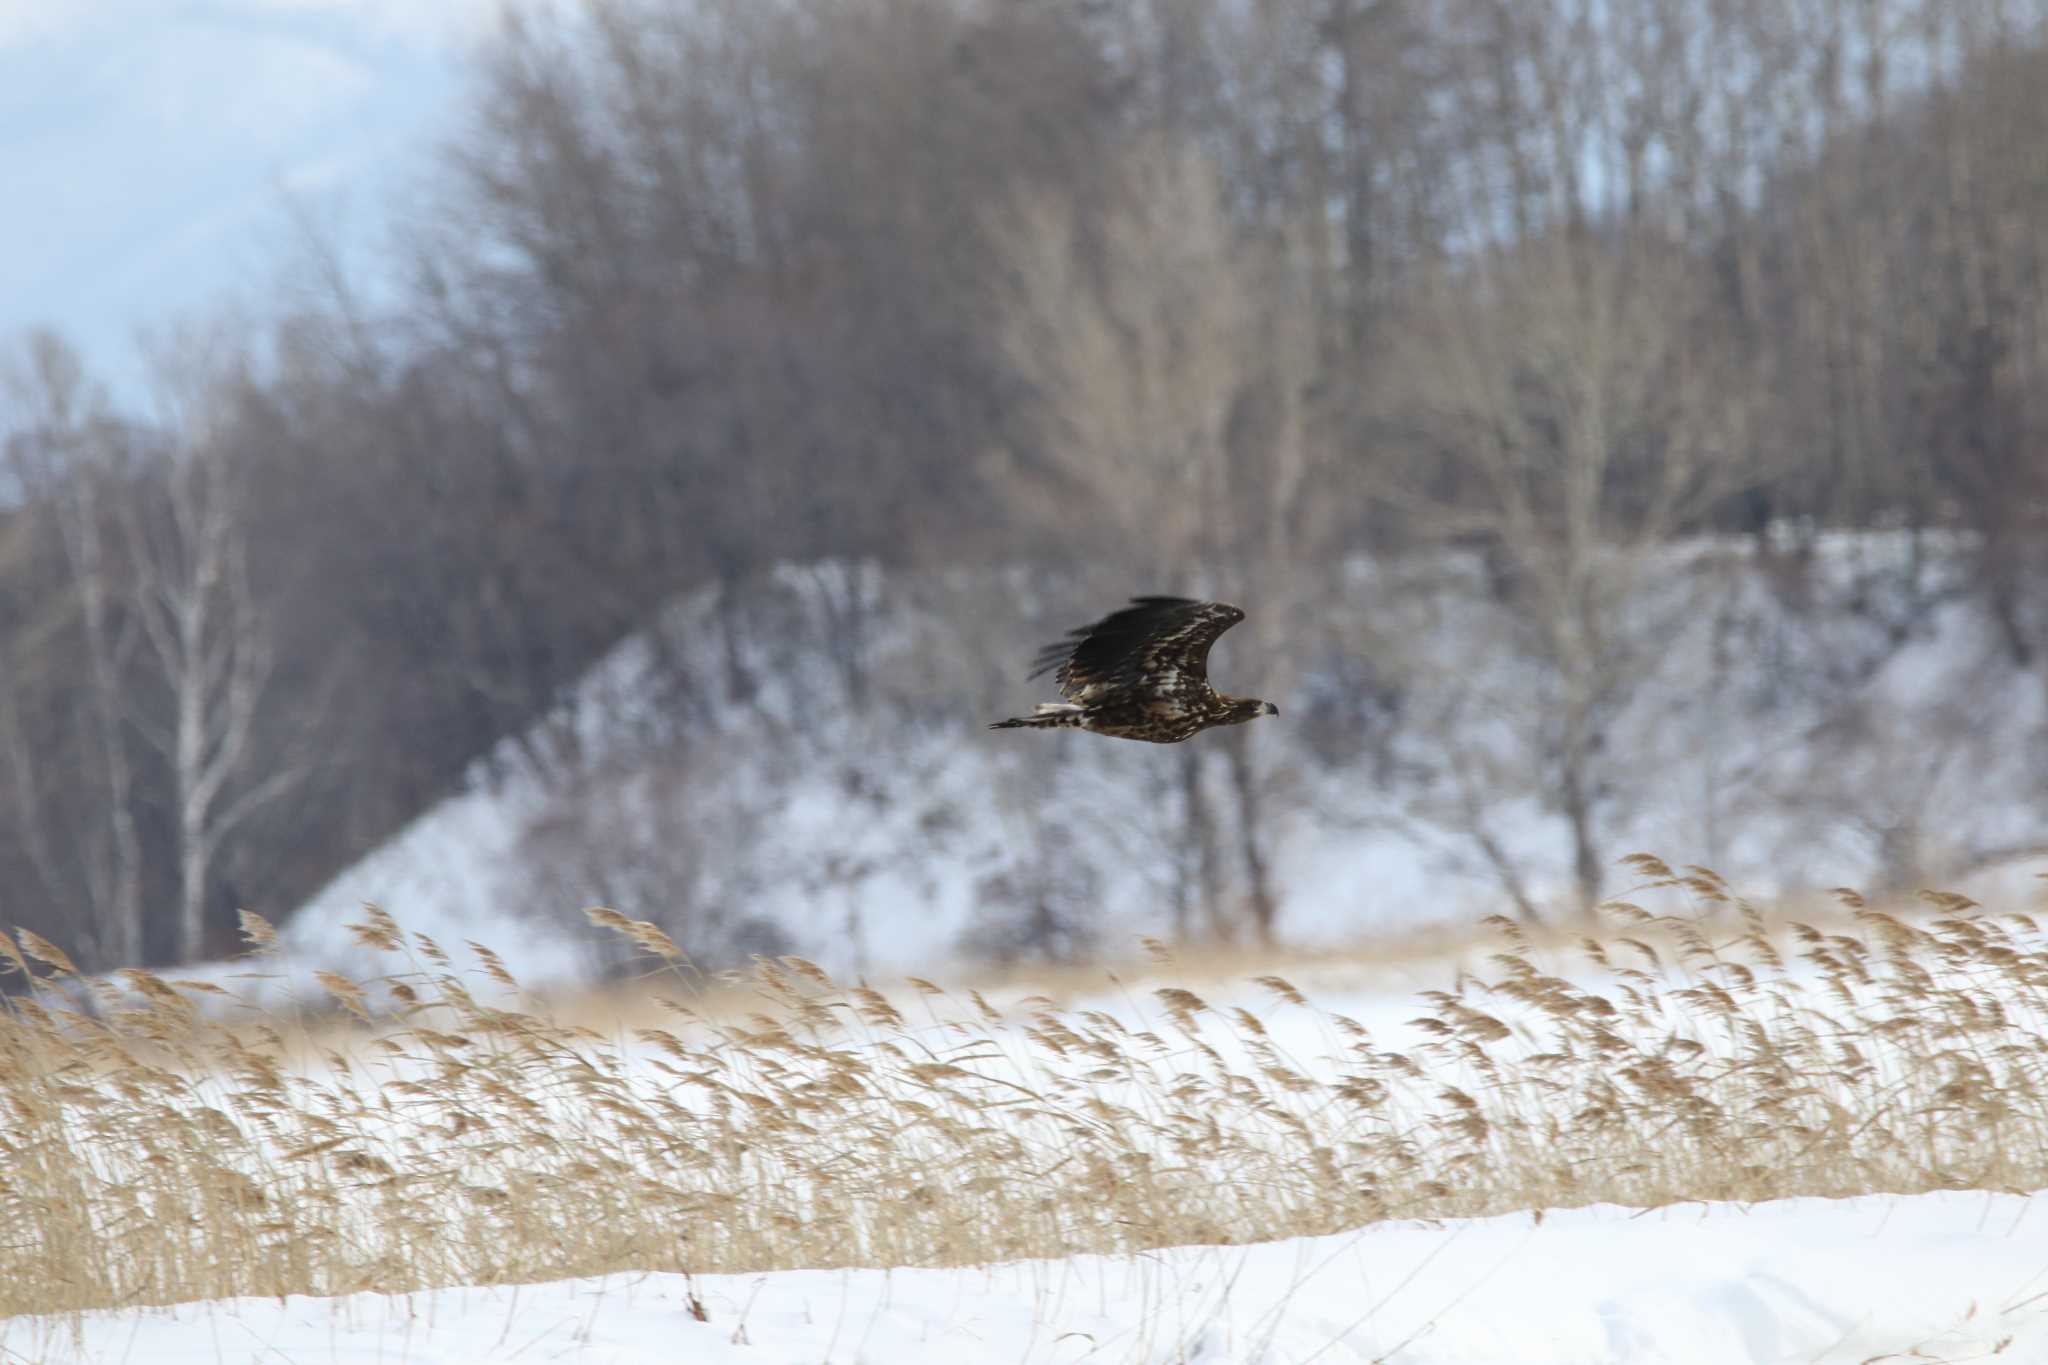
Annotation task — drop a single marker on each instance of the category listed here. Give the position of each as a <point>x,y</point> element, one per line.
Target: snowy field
<point>1933,1277</point>
<point>1335,1165</point>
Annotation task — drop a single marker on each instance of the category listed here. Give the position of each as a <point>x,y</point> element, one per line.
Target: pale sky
<point>149,148</point>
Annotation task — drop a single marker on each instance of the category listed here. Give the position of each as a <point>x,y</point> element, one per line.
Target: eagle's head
<point>1243,709</point>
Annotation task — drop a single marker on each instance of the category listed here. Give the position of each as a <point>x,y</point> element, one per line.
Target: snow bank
<point>1943,1276</point>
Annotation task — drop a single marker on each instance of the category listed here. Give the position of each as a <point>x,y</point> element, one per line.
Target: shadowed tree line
<point>1200,295</point>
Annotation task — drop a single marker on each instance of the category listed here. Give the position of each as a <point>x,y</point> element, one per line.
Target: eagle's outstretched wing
<point>1157,645</point>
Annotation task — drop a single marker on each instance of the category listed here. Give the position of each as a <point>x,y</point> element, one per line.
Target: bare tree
<point>1568,410</point>
<point>208,644</point>
<point>1168,361</point>
<point>64,458</point>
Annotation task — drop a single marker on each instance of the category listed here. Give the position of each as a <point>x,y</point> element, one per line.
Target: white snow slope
<point>1873,730</point>
<point>1939,1277</point>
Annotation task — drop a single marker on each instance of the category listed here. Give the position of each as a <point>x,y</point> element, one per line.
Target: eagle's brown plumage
<point>1141,673</point>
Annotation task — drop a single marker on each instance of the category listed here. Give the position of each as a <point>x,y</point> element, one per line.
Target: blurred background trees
<point>1201,295</point>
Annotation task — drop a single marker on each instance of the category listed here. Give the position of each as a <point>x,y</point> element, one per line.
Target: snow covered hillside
<point>1935,1277</point>
<point>808,771</point>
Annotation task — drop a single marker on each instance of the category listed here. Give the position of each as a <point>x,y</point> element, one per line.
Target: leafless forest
<point>1074,298</point>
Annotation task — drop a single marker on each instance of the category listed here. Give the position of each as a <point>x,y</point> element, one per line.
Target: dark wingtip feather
<point>1049,658</point>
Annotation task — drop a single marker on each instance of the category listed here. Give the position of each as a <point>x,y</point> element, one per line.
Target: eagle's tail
<point>1048,715</point>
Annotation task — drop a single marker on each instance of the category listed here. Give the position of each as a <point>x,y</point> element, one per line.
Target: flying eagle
<point>1141,673</point>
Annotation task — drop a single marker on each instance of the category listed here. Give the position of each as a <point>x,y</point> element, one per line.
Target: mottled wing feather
<point>1181,656</point>
<point>1153,649</point>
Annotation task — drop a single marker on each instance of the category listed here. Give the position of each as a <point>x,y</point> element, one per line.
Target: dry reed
<point>156,1148</point>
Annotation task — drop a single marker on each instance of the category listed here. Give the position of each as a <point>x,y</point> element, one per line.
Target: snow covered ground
<point>1957,1275</point>
<point>1937,1277</point>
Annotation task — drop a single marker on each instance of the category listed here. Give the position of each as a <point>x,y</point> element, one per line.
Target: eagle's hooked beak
<point>1271,710</point>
